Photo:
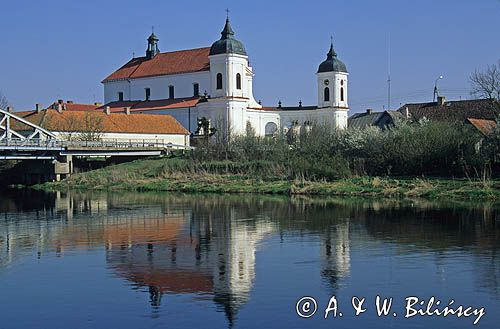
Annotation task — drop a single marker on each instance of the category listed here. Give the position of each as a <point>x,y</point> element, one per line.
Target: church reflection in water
<point>167,244</point>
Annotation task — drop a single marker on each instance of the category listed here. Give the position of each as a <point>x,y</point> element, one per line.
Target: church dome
<point>227,43</point>
<point>332,63</point>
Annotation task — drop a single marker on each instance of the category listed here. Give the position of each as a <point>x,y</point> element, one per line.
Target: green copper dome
<point>227,43</point>
<point>332,63</point>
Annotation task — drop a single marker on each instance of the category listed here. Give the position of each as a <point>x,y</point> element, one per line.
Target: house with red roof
<point>95,125</point>
<point>216,83</point>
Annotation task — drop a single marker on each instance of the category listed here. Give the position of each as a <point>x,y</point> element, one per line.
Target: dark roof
<point>285,108</point>
<point>175,62</point>
<point>332,63</point>
<point>227,43</point>
<point>453,111</point>
<point>363,120</point>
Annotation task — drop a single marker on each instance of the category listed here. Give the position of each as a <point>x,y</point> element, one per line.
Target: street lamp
<point>436,88</point>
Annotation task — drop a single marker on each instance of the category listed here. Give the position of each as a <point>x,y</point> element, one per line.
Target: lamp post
<point>436,88</point>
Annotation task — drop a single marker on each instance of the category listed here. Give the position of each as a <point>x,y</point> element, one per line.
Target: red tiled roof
<point>175,62</point>
<point>160,104</point>
<point>484,126</point>
<point>70,106</point>
<point>52,120</point>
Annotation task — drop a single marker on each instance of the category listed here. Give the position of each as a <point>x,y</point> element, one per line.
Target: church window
<point>238,81</point>
<point>341,82</point>
<point>171,91</point>
<point>219,81</point>
<point>326,97</point>
<point>120,96</point>
<point>270,128</point>
<point>196,89</point>
<point>148,94</point>
<point>341,94</point>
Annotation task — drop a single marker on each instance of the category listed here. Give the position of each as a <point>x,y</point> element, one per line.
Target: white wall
<point>134,89</point>
<point>177,139</point>
<point>335,84</point>
<point>283,119</point>
<point>229,65</point>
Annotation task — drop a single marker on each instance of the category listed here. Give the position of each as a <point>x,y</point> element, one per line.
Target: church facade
<point>216,83</point>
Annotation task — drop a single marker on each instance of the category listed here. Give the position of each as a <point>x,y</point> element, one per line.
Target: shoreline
<point>124,178</point>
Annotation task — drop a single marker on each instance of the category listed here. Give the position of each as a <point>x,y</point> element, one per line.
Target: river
<point>159,260</point>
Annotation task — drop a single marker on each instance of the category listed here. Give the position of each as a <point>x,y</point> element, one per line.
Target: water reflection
<point>207,245</point>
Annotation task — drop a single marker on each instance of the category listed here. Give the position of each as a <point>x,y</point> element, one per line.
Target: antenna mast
<point>389,73</point>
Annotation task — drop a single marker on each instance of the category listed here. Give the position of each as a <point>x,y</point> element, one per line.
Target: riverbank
<point>257,177</point>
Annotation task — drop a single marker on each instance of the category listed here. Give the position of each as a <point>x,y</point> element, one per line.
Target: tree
<point>92,127</point>
<point>486,84</point>
<point>4,102</point>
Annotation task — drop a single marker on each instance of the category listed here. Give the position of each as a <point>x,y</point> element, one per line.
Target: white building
<point>106,126</point>
<point>217,83</point>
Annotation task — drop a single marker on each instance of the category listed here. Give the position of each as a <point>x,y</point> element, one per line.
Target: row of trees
<point>424,148</point>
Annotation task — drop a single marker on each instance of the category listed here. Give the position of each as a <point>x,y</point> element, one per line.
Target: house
<point>382,120</point>
<point>216,83</point>
<point>452,111</point>
<point>106,126</point>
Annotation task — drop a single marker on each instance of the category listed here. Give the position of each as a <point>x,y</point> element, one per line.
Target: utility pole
<point>389,74</point>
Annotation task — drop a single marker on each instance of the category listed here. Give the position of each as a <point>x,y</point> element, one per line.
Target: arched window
<point>270,128</point>
<point>219,81</point>
<point>238,81</point>
<point>341,94</point>
<point>326,97</point>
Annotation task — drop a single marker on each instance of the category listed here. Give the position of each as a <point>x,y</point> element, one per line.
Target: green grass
<point>264,178</point>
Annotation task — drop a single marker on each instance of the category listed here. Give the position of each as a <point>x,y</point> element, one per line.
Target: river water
<point>152,260</point>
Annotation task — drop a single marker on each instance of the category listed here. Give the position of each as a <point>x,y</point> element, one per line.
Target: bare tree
<point>486,84</point>
<point>93,127</point>
<point>4,102</point>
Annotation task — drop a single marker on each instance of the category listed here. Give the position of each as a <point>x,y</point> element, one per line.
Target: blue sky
<point>63,49</point>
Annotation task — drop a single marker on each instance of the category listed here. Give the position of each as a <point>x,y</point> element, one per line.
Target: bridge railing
<point>51,144</point>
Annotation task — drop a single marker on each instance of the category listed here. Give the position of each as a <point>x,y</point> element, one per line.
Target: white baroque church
<point>216,83</point>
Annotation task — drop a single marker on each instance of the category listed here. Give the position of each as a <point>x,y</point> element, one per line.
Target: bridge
<point>38,144</point>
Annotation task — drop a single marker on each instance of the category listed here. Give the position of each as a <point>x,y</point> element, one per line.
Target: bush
<point>323,153</point>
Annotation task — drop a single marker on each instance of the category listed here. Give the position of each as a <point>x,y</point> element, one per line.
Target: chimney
<point>441,100</point>
<point>369,111</point>
<point>38,107</point>
<point>107,109</point>
<point>59,108</point>
<point>127,110</point>
<point>10,109</point>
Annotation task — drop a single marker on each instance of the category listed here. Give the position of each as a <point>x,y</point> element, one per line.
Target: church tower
<point>231,76</point>
<point>332,87</point>
<point>152,50</point>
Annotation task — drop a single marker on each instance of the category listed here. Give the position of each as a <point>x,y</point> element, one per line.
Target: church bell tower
<point>152,50</point>
<point>332,87</point>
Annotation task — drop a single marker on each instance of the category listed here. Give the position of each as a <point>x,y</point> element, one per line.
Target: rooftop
<point>74,121</point>
<point>484,126</point>
<point>457,111</point>
<point>160,104</point>
<point>175,62</point>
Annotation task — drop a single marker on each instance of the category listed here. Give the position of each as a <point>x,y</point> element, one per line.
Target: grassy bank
<point>259,177</point>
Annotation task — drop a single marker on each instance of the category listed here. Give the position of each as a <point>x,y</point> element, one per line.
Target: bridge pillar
<point>63,167</point>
